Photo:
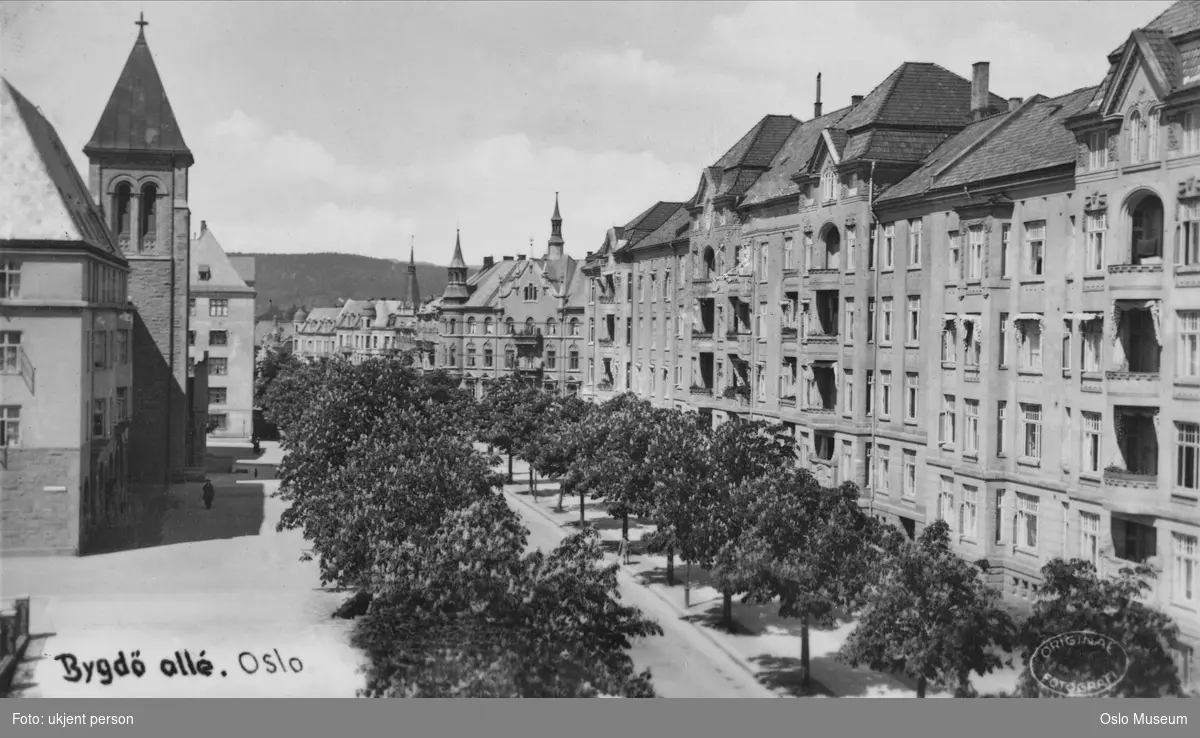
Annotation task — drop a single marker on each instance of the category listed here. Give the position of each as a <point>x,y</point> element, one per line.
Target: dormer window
<point>1137,134</point>
<point>828,185</point>
<point>1097,150</point>
<point>205,273</point>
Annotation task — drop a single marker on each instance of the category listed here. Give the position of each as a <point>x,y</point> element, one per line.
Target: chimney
<point>508,258</point>
<point>488,262</point>
<point>589,255</point>
<point>979,89</point>
<point>203,226</point>
<point>855,99</point>
<point>817,104</point>
<point>1013,103</point>
<point>520,257</point>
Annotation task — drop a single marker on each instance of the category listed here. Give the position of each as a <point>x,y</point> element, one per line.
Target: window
<point>470,356</point>
<point>217,395</point>
<point>848,392</point>
<point>1005,250</point>
<point>968,512</point>
<point>1001,427</point>
<point>851,243</point>
<point>10,280</point>
<point>1189,344</point>
<point>889,245</point>
<point>471,326</point>
<point>870,320</point>
<point>218,365</point>
<point>1035,247</point>
<point>122,347</point>
<point>99,418</point>
<point>510,358</point>
<point>914,320</point>
<point>1097,150</point>
<point>760,381</point>
<point>999,511</point>
<point>954,260</point>
<point>10,350</point>
<point>218,338</point>
<point>218,308</point>
<point>1066,348</point>
<point>912,387</point>
<point>205,273</point>
<point>573,359</point>
<point>1031,344</point>
<point>1187,462</point>
<point>764,260</point>
<point>887,321</point>
<point>1090,456</point>
<point>220,420</point>
<point>947,427</point>
<point>488,358</point>
<point>100,349</point>
<point>551,358</point>
<point>1191,132</point>
<point>971,426</point>
<point>574,327</point>
<point>1090,336</point>
<point>828,185</point>
<point>975,252</point>
<point>908,488</point>
<point>885,468</point>
<point>914,243</point>
<point>871,233</point>
<point>10,425</point>
<point>1185,568</point>
<point>592,329</point>
<point>789,256</point>
<point>885,380</point>
<point>949,339</point>
<point>1027,521</point>
<point>945,508</point>
<point>1096,226</point>
<point>850,320</point>
<point>1031,430</point>
<point>870,392</point>
<point>1089,538</point>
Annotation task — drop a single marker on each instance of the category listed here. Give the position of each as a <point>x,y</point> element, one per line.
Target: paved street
<point>682,662</point>
<point>221,581</point>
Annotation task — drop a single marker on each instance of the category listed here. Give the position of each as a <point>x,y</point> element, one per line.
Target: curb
<point>737,659</point>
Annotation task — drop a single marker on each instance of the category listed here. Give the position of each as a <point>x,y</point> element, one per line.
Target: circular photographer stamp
<point>1079,664</point>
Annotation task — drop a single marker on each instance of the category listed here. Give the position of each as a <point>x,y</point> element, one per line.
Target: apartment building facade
<point>978,310</point>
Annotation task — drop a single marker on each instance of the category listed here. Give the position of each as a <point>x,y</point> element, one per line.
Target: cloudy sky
<point>353,127</point>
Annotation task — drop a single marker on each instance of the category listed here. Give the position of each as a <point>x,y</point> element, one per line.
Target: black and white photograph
<point>770,350</point>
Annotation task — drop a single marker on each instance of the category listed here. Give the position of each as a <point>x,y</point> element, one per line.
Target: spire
<point>138,116</point>
<point>414,290</point>
<point>456,262</point>
<point>456,273</point>
<point>555,248</point>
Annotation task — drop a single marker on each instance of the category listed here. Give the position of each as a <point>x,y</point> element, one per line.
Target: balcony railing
<point>702,334</point>
<point>606,342</point>
<point>1143,480</point>
<point>605,300</point>
<point>696,389</point>
<point>789,334</point>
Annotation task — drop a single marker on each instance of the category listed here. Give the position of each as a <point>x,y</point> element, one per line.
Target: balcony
<point>740,342</point>
<point>739,393</point>
<point>605,300</point>
<point>697,390</point>
<point>789,333</point>
<point>823,278</point>
<point>1132,384</point>
<point>527,337</point>
<point>1134,276</point>
<point>605,342</point>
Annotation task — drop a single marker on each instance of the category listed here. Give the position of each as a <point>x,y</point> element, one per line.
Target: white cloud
<point>616,68</point>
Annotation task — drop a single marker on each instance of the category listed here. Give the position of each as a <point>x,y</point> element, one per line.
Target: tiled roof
<point>1182,17</point>
<point>138,116</point>
<point>792,157</point>
<point>917,94</point>
<point>206,251</point>
<point>44,197</point>
<point>670,230</point>
<point>647,222</point>
<point>759,146</point>
<point>1167,56</point>
<point>489,281</point>
<point>1030,139</point>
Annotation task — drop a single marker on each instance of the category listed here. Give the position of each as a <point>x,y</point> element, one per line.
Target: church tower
<point>456,284</point>
<point>554,251</point>
<point>139,176</point>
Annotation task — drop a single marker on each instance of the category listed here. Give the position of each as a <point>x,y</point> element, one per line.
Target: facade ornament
<point>1095,201</point>
<point>1114,149</point>
<point>1081,161</point>
<point>1189,188</point>
<point>808,227</point>
<point>1173,131</point>
<point>851,222</point>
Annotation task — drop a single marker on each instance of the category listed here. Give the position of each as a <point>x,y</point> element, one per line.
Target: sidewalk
<point>763,643</point>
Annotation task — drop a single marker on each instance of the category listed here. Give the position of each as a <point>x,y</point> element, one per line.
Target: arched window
<point>828,185</point>
<point>471,326</point>
<point>453,326</point>
<point>487,326</point>
<point>529,327</point>
<point>1137,134</point>
<point>509,326</point>
<point>149,215</point>
<point>453,356</point>
<point>710,261</point>
<point>574,327</point>
<point>121,210</point>
<point>551,327</point>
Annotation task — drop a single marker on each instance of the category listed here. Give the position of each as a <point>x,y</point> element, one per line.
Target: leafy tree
<point>1073,599</point>
<point>930,616</point>
<point>680,458</point>
<point>272,362</point>
<point>556,441</point>
<point>585,470</point>
<point>462,613</point>
<point>499,420</point>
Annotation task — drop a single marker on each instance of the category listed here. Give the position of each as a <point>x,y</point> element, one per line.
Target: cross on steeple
<point>141,21</point>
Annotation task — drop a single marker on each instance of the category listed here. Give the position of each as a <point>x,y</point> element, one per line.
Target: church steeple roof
<point>414,290</point>
<point>138,116</point>
<point>556,216</point>
<point>457,262</point>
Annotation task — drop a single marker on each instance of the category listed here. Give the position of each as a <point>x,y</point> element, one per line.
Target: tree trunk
<point>921,687</point>
<point>562,490</point>
<point>670,566</point>
<point>582,508</point>
<point>532,486</point>
<point>510,476</point>
<point>727,609</point>
<point>625,526</point>
<point>805,672</point>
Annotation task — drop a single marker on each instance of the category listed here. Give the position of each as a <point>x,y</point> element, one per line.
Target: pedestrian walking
<point>623,551</point>
<point>208,494</point>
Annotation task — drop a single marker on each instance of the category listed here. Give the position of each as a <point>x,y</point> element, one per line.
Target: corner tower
<point>554,250</point>
<point>138,175</point>
<point>456,282</point>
